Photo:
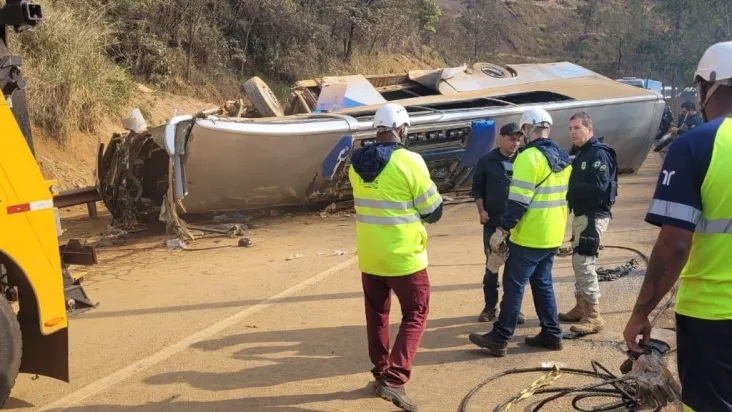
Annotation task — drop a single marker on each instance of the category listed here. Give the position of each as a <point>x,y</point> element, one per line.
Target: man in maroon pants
<point>393,196</point>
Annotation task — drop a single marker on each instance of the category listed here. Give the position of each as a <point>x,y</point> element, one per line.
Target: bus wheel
<point>10,349</point>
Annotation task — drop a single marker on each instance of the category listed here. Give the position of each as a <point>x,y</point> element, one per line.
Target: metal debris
<point>339,207</point>
<point>223,217</point>
<point>234,230</point>
<point>176,243</point>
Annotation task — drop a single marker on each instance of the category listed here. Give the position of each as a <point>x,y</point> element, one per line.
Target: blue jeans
<point>490,280</point>
<point>535,267</point>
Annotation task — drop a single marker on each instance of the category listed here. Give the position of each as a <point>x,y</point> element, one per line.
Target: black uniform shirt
<point>592,184</point>
<point>491,181</point>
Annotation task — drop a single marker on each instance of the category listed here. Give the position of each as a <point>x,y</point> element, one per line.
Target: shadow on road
<point>244,303</point>
<point>15,403</point>
<point>316,353</point>
<point>286,403</point>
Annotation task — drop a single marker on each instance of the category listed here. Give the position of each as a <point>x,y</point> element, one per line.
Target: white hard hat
<point>715,69</point>
<point>537,117</point>
<point>391,116</point>
<point>715,64</point>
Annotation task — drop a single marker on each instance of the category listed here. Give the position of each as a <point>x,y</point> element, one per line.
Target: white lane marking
<point>165,353</point>
<point>122,374</point>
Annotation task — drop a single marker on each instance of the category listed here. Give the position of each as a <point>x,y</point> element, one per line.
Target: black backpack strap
<point>543,180</point>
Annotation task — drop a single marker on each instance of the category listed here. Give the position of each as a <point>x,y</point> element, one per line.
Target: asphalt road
<point>228,328</point>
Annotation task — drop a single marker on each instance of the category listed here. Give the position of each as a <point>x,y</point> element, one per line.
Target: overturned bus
<point>265,156</point>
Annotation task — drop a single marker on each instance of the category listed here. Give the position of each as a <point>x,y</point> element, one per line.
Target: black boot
<point>397,396</point>
<point>488,341</point>
<point>487,315</point>
<point>544,341</point>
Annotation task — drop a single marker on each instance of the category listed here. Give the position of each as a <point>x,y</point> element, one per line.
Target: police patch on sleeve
<point>602,168</point>
<point>597,164</point>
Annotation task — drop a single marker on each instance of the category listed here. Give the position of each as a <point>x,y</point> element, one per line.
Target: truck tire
<point>11,349</point>
<point>262,97</point>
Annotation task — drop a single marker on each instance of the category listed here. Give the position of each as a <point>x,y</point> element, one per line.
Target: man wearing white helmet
<point>693,206</point>
<point>536,217</point>
<point>394,196</point>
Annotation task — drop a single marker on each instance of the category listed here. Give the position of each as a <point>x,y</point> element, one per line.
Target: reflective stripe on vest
<point>543,224</point>
<point>691,215</point>
<point>705,289</point>
<point>391,238</point>
<point>422,205</point>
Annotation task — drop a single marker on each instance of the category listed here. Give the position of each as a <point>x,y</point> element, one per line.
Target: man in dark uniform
<point>490,189</point>
<point>666,120</point>
<point>591,194</point>
<point>689,118</point>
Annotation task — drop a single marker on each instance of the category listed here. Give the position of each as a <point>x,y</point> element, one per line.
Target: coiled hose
<point>621,388</point>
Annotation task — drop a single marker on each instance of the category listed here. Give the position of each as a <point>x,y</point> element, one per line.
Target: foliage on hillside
<point>72,84</point>
<point>208,48</point>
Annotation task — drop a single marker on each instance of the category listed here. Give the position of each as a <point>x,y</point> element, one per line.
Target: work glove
<point>655,385</point>
<point>497,239</point>
<point>496,259</point>
<point>589,240</point>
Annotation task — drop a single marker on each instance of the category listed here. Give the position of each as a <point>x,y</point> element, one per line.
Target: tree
<point>428,13</point>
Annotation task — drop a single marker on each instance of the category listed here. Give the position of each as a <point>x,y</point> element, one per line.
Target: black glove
<point>589,240</point>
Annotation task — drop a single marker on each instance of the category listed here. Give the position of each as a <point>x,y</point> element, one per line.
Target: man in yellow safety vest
<point>393,196</point>
<point>536,216</point>
<point>693,206</point>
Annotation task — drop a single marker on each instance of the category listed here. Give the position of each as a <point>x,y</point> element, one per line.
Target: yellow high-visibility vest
<point>705,288</point>
<point>390,235</point>
<point>544,193</point>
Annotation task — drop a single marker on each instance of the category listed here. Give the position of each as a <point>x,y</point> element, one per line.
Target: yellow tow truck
<point>40,292</point>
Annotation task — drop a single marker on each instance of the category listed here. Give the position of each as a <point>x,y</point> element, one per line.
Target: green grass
<point>72,85</point>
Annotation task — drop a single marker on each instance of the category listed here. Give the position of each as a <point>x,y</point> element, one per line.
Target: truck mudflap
<point>74,253</point>
<point>451,153</point>
<point>52,351</point>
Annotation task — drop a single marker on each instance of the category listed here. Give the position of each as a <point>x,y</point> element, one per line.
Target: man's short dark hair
<point>688,105</point>
<point>586,119</point>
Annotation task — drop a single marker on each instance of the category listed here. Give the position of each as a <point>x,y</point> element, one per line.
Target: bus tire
<point>11,349</point>
<point>262,98</point>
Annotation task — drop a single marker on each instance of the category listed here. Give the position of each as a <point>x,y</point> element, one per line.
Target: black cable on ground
<point>622,389</point>
<point>605,275</point>
<point>641,254</point>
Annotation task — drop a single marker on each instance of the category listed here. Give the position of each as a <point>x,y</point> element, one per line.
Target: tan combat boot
<point>591,322</point>
<point>576,313</point>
